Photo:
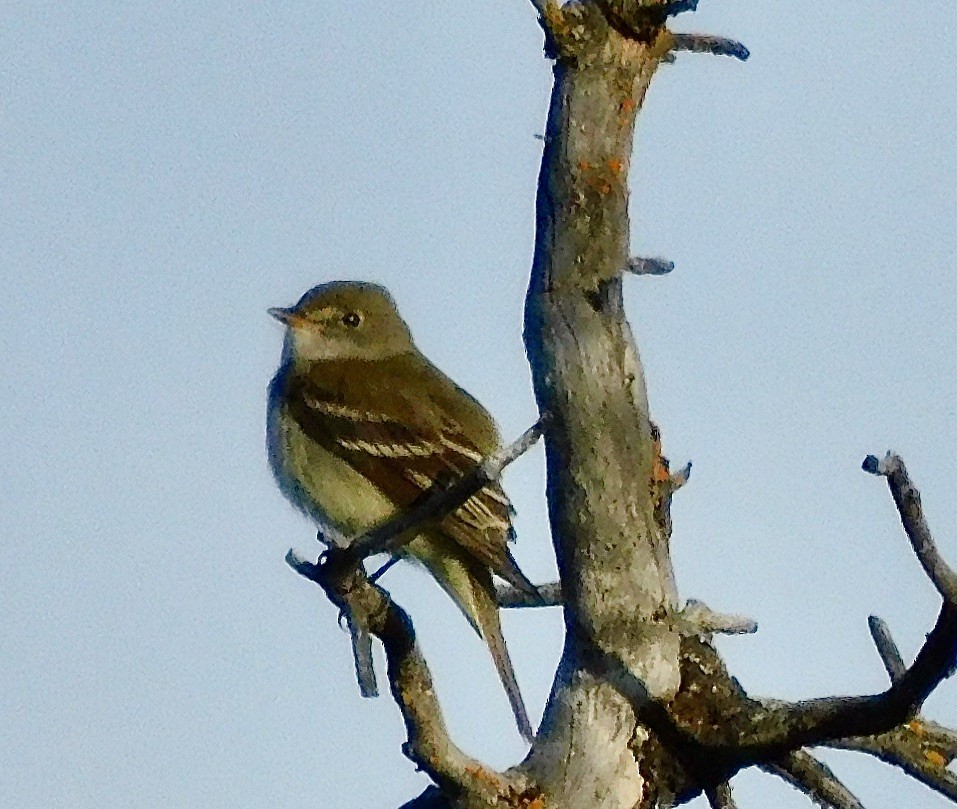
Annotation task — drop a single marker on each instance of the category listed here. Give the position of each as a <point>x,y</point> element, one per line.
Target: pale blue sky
<point>169,171</point>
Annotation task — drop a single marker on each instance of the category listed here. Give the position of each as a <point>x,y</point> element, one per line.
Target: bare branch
<point>640,265</point>
<point>921,748</point>
<point>509,596</point>
<point>907,499</point>
<point>792,726</point>
<point>429,744</point>
<point>886,648</point>
<point>362,657</point>
<point>396,531</point>
<point>680,478</point>
<point>814,779</point>
<point>788,727</point>
<point>704,43</point>
<point>697,618</point>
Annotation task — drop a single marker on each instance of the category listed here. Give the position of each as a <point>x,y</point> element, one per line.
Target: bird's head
<point>344,320</point>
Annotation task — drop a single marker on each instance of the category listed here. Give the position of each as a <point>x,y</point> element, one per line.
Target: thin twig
<point>815,779</point>
<point>362,657</point>
<point>642,265</point>
<point>907,499</point>
<point>398,530</point>
<point>704,43</point>
<point>886,648</point>
<point>680,478</point>
<point>697,618</point>
<point>509,596</point>
<point>787,727</point>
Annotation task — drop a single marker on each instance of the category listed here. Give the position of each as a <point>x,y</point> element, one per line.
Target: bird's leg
<point>383,570</point>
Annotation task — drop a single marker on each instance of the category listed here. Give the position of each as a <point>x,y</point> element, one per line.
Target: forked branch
<point>429,744</point>
<point>786,727</point>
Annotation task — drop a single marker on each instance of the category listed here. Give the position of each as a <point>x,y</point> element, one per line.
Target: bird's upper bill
<point>289,317</point>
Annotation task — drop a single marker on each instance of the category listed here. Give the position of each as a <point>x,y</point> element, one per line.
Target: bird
<point>361,425</point>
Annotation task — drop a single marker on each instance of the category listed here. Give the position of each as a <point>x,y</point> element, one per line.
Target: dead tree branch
<point>395,532</point>
<point>886,648</point>
<point>429,745</point>
<point>872,723</point>
<point>717,46</point>
<point>815,779</point>
<point>922,749</point>
<point>907,499</point>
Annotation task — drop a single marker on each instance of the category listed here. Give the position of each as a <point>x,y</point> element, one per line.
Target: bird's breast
<point>319,483</point>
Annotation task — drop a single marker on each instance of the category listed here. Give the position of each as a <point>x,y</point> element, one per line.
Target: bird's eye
<point>351,319</point>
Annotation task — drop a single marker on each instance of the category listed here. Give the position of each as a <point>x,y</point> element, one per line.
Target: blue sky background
<point>169,171</point>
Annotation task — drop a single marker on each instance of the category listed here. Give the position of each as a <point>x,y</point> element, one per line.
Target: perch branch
<point>396,531</point>
<point>429,745</point>
<point>393,533</point>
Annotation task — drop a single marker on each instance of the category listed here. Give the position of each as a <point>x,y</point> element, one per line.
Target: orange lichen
<point>529,799</point>
<point>584,165</point>
<point>660,472</point>
<point>916,727</point>
<point>485,776</point>
<point>935,758</point>
<point>615,165</point>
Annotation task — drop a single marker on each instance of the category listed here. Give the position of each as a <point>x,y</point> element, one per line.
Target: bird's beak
<point>286,316</point>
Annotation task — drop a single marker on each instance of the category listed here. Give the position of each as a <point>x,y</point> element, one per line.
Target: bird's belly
<point>323,485</point>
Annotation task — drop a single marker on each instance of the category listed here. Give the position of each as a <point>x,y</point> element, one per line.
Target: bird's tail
<point>470,585</point>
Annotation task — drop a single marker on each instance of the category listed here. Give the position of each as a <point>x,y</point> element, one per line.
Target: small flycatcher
<point>361,425</point>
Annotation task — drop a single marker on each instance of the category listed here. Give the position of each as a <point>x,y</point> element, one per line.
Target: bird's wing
<point>405,459</point>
